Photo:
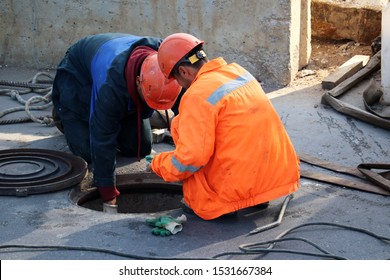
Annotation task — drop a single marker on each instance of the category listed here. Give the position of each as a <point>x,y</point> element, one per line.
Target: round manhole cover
<point>32,171</point>
<point>140,193</point>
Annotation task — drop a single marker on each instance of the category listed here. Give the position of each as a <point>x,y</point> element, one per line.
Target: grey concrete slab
<point>53,219</point>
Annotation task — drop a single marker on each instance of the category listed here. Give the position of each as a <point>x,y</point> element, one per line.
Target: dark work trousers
<point>77,137</point>
<point>127,142</point>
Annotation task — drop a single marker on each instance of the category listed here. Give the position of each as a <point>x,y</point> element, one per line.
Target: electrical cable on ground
<point>246,249</point>
<point>92,249</point>
<point>255,248</point>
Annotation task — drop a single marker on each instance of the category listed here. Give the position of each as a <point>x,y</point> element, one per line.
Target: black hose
<point>255,248</point>
<point>246,249</point>
<point>91,249</point>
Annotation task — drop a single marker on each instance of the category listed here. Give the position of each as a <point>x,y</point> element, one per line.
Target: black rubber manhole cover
<point>140,193</point>
<point>32,171</point>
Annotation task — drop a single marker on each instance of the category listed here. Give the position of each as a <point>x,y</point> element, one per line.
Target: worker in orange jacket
<point>232,150</point>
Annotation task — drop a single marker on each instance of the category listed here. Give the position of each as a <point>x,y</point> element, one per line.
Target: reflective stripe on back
<point>230,86</point>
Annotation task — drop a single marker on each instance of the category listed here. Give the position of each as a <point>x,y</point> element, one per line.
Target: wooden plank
<point>373,65</point>
<point>343,182</point>
<point>345,71</point>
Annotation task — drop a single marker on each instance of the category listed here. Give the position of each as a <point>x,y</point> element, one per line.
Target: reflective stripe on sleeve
<point>182,168</point>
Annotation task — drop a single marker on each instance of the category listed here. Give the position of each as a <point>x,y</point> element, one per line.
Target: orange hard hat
<point>174,48</point>
<point>159,93</point>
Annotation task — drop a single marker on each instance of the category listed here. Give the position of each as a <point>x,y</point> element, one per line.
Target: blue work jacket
<point>90,84</point>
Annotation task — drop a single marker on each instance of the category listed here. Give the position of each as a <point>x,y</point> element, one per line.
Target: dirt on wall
<point>326,57</point>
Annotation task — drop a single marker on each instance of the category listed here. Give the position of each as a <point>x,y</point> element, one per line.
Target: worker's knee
<point>80,149</point>
<point>77,137</point>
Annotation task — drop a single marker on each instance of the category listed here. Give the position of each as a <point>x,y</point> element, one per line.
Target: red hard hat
<point>159,93</point>
<point>173,49</point>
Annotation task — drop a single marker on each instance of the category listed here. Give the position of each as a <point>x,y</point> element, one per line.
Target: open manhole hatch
<point>33,171</point>
<point>140,193</point>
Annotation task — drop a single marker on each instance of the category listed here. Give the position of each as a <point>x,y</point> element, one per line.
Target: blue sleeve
<point>104,129</point>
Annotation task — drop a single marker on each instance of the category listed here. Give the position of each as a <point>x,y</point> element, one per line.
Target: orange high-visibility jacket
<point>232,150</point>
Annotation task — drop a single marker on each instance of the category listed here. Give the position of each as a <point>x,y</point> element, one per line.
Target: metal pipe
<point>278,221</point>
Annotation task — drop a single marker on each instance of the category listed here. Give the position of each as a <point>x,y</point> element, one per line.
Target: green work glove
<point>166,223</point>
<point>161,231</point>
<point>149,159</point>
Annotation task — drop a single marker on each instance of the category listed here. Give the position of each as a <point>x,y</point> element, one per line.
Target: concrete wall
<point>305,35</point>
<point>262,35</point>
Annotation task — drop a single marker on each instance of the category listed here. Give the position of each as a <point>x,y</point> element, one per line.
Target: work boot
<point>229,215</point>
<point>188,210</point>
<point>261,206</point>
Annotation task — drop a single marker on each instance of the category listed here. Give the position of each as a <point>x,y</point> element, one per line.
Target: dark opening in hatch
<point>140,193</point>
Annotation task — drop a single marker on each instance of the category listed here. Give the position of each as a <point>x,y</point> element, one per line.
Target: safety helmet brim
<point>173,49</point>
<point>159,92</point>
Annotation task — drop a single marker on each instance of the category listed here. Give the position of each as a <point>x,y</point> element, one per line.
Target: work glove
<point>149,159</point>
<point>166,225</point>
<point>161,231</point>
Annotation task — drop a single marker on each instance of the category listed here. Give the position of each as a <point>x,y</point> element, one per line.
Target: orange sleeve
<point>194,140</point>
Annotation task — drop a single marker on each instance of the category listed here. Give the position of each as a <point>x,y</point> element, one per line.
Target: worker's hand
<point>165,224</point>
<point>111,202</point>
<point>149,159</point>
<point>109,196</point>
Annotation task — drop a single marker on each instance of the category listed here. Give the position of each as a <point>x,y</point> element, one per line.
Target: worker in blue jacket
<point>105,89</point>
